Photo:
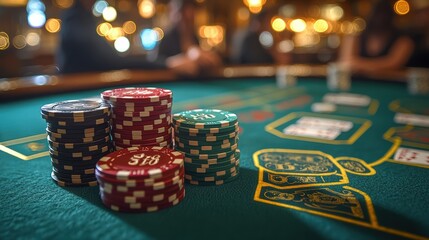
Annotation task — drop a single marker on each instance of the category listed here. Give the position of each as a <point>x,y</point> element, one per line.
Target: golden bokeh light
<point>129,27</point>
<point>53,25</point>
<point>298,25</point>
<point>64,3</point>
<point>359,24</point>
<point>401,7</point>
<point>332,12</point>
<point>19,42</point>
<point>146,8</point>
<point>159,33</point>
<point>320,25</point>
<point>104,28</point>
<point>115,33</point>
<point>243,14</point>
<point>347,27</point>
<point>4,41</point>
<point>278,24</point>
<point>109,14</point>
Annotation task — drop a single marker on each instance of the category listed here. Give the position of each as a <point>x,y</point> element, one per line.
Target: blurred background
<point>308,32</point>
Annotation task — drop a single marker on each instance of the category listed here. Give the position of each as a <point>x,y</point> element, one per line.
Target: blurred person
<point>81,49</point>
<point>420,33</point>
<point>180,38</point>
<point>247,47</point>
<point>381,46</point>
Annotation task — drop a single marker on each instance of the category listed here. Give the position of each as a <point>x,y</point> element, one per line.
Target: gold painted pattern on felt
<point>317,193</point>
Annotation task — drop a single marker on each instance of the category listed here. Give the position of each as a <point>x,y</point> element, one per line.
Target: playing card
<point>412,119</point>
<point>349,99</point>
<point>304,131</point>
<point>411,155</point>
<point>343,126</point>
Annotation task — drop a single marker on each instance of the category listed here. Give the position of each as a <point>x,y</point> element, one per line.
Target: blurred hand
<point>183,65</point>
<point>205,59</point>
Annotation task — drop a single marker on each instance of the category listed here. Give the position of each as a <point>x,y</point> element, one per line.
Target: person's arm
<point>396,58</point>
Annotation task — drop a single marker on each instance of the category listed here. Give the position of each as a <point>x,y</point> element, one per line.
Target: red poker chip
<point>138,182</point>
<point>161,138</point>
<point>141,135</point>
<point>141,207</point>
<point>158,199</point>
<point>159,144</point>
<point>148,120</point>
<point>133,183</point>
<point>150,108</point>
<point>144,115</point>
<point>137,95</point>
<point>146,194</point>
<point>143,125</point>
<point>150,162</point>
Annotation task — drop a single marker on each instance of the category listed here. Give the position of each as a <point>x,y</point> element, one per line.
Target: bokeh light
<point>146,8</point>
<point>19,41</point>
<point>36,19</point>
<point>109,14</point>
<point>320,25</point>
<point>332,12</point>
<point>4,41</point>
<point>115,33</point>
<point>129,27</point>
<point>401,7</point>
<point>159,32</point>
<point>266,39</point>
<point>298,25</point>
<point>278,24</point>
<point>149,39</point>
<point>104,28</point>
<point>32,39</point>
<point>122,44</point>
<point>99,7</point>
<point>53,25</point>
<point>64,3</point>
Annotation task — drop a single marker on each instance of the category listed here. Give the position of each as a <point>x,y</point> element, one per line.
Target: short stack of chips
<point>141,179</point>
<point>141,116</point>
<point>209,140</point>
<point>78,136</point>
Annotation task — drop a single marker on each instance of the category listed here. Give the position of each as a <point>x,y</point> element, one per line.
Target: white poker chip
<point>323,107</point>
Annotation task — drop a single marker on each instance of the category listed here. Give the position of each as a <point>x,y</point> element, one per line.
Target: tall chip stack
<point>141,116</point>
<point>78,136</point>
<point>141,179</point>
<point>209,140</point>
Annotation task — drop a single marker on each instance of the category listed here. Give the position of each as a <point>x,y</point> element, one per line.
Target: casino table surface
<point>290,187</point>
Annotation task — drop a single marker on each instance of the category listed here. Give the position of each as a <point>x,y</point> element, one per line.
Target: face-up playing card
<point>411,155</point>
<point>313,132</point>
<point>343,126</point>
<point>348,99</point>
<point>412,119</point>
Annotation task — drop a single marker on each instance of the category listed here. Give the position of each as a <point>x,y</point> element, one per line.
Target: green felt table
<point>357,192</point>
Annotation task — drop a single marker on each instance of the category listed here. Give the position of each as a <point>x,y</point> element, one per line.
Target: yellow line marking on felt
<point>389,153</point>
<point>373,107</point>
<point>22,156</point>
<point>24,139</point>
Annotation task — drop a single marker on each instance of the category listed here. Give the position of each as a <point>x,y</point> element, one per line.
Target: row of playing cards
<point>320,128</point>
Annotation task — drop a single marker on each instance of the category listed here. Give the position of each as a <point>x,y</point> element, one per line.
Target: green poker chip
<point>201,131</point>
<point>208,137</point>
<point>212,161</point>
<point>205,118</point>
<point>214,183</point>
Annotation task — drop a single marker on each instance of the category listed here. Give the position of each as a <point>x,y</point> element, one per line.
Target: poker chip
<point>141,179</point>
<point>78,136</point>
<point>140,116</point>
<point>208,138</point>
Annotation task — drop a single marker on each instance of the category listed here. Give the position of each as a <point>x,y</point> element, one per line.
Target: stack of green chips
<point>209,140</point>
